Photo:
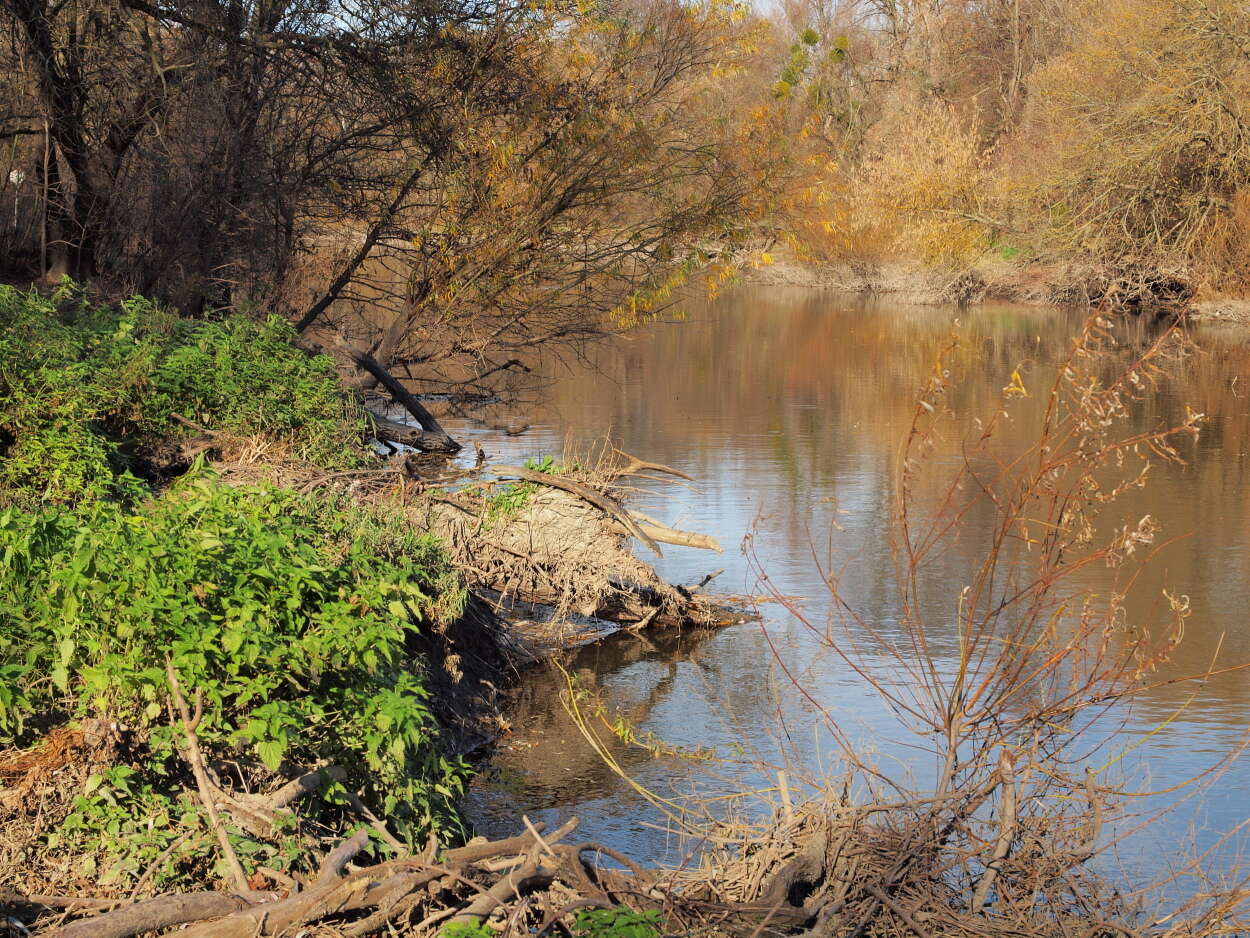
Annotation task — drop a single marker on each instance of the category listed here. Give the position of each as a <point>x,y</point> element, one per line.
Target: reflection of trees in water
<point>787,383</point>
<point>780,398</point>
<point>546,754</point>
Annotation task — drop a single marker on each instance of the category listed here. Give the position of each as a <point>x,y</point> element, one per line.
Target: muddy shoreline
<point>919,284</point>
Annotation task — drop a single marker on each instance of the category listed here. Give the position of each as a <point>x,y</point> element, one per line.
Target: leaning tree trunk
<point>433,438</point>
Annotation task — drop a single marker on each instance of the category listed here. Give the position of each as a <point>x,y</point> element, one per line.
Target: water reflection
<point>790,407</point>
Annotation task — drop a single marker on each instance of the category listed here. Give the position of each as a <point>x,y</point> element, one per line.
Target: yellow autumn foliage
<point>923,179</point>
<point>916,191</point>
<point>1136,145</point>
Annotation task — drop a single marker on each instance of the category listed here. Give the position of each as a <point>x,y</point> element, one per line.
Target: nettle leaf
<point>271,752</point>
<point>233,640</point>
<point>60,677</point>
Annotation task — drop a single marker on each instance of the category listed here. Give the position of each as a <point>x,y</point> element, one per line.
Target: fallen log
<point>431,437</point>
<point>161,912</point>
<point>392,431</point>
<point>434,438</point>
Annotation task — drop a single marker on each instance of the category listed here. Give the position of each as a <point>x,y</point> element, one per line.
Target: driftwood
<point>605,503</point>
<point>634,465</point>
<point>665,534</point>
<point>159,913</point>
<point>819,869</point>
<point>466,884</point>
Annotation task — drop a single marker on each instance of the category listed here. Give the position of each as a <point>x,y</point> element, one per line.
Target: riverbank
<point>913,282</point>
<point>121,798</point>
<point>234,630</point>
<point>1001,280</point>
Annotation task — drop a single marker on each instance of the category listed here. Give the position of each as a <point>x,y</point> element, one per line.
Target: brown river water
<point>790,407</point>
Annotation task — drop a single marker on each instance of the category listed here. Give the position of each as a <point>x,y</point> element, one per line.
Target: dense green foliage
<point>298,637</point>
<point>618,922</point>
<point>83,388</point>
<point>297,618</point>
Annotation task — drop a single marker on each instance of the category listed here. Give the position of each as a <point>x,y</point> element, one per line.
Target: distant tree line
<point>1113,135</point>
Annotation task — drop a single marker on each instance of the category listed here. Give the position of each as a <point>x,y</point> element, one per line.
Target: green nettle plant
<point>617,922</point>
<point>293,616</point>
<point>83,387</point>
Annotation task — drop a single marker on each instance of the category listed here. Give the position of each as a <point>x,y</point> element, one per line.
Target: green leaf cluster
<point>296,617</point>
<point>84,386</point>
<point>617,922</point>
<point>796,65</point>
<point>510,500</point>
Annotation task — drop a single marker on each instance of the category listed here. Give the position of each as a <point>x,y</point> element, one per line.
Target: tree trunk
<point>434,439</point>
<point>71,201</point>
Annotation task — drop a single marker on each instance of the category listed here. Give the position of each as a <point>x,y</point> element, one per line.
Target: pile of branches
<point>824,870</point>
<point>528,884</point>
<point>887,870</point>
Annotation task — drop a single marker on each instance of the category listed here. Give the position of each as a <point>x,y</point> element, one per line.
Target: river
<point>790,408</point>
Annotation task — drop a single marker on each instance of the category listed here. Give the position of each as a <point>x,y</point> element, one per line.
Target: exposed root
<point>563,552</point>
<point>24,774</point>
<point>889,871</point>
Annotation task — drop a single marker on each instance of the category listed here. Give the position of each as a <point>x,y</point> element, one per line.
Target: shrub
<point>917,188</point>
<point>83,387</point>
<point>299,636</point>
<point>1141,132</point>
<point>245,375</point>
<point>923,181</point>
